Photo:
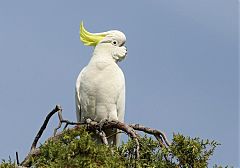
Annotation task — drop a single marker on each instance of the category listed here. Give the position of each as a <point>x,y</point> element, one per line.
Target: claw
<point>88,120</point>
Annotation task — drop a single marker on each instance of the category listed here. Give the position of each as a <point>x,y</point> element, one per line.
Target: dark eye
<point>114,42</point>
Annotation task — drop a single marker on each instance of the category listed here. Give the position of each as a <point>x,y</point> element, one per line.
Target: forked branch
<point>92,126</point>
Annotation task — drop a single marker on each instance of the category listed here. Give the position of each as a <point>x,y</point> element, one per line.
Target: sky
<point>181,69</point>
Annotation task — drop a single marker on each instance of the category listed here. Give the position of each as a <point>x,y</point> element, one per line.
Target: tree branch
<point>158,134</point>
<point>95,127</point>
<point>103,137</point>
<point>43,127</point>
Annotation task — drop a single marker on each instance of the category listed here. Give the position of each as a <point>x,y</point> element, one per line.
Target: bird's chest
<point>103,80</point>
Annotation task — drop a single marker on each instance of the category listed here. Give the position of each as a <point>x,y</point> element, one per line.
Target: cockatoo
<point>100,86</point>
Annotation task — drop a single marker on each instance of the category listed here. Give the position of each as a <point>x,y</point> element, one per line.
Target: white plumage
<point>100,86</point>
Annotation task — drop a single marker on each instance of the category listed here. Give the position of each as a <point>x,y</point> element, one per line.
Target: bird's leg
<point>88,121</point>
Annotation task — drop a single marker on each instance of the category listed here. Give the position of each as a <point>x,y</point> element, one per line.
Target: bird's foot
<point>88,120</point>
<point>101,123</point>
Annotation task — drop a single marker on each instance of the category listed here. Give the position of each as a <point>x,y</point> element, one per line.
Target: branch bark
<point>44,125</point>
<point>158,134</point>
<point>92,126</point>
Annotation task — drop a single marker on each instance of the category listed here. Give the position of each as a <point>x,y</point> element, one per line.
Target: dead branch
<point>17,158</point>
<point>158,134</point>
<point>43,127</point>
<point>61,121</point>
<point>121,126</point>
<point>95,127</point>
<point>103,137</point>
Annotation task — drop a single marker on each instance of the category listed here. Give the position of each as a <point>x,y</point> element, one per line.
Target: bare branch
<point>95,127</point>
<point>124,127</point>
<point>103,137</point>
<point>17,158</point>
<point>158,134</point>
<point>61,121</point>
<point>43,127</point>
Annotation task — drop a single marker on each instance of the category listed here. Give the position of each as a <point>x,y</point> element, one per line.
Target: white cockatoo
<point>100,86</point>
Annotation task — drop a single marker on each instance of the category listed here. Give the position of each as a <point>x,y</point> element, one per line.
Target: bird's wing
<point>121,104</point>
<point>120,111</point>
<point>77,97</point>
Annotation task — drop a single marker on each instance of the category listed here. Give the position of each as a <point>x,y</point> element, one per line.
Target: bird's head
<point>111,42</point>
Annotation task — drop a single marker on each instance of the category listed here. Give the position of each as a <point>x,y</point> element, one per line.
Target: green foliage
<point>7,164</point>
<point>190,152</point>
<point>77,149</point>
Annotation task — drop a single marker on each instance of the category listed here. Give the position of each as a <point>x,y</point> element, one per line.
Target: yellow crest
<point>90,39</point>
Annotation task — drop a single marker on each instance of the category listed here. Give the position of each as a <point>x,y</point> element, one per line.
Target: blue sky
<point>181,70</point>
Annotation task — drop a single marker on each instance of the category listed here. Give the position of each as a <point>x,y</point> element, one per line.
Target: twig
<point>160,136</point>
<point>92,126</point>
<point>124,127</point>
<point>43,127</point>
<point>115,133</point>
<point>60,123</point>
<point>103,137</point>
<point>61,120</point>
<point>17,158</point>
